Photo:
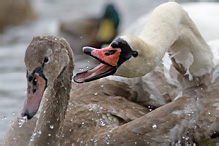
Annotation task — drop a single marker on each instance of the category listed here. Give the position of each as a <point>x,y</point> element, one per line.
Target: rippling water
<point>15,40</point>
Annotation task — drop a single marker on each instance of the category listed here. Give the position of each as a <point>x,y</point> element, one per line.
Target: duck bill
<point>35,90</point>
<point>108,58</point>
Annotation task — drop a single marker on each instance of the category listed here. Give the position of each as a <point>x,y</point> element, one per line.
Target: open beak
<point>35,90</point>
<point>108,58</point>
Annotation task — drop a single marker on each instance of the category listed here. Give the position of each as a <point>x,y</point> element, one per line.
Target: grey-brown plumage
<point>91,108</point>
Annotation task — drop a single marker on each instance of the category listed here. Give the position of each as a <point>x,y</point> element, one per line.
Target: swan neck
<point>53,110</point>
<point>170,29</point>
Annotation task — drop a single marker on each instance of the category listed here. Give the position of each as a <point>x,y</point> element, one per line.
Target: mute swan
<point>64,117</point>
<point>203,14</point>
<point>190,117</point>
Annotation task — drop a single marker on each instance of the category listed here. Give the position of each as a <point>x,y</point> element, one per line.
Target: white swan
<point>203,14</point>
<point>190,117</point>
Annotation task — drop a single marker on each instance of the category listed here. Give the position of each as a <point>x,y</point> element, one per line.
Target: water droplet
<point>95,93</point>
<point>154,126</point>
<point>189,114</point>
<point>209,113</point>
<point>102,123</point>
<point>136,142</point>
<point>87,66</point>
<point>49,134</point>
<point>81,37</point>
<point>39,132</point>
<point>21,121</point>
<point>81,69</point>
<point>31,138</point>
<point>13,113</point>
<point>34,134</point>
<point>107,142</point>
<point>187,138</point>
<point>51,127</point>
<point>4,118</point>
<point>101,86</point>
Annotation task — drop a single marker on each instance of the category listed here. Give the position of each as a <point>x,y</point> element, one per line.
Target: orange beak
<point>106,55</point>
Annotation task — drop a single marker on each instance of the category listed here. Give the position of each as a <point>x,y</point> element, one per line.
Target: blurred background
<point>83,22</point>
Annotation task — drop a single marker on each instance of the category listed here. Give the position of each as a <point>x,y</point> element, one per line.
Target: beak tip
<point>87,50</point>
<point>27,114</point>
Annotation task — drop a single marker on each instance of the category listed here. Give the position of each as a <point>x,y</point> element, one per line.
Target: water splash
<point>154,126</point>
<point>21,121</point>
<point>39,132</point>
<point>51,127</point>
<point>4,118</point>
<point>81,69</point>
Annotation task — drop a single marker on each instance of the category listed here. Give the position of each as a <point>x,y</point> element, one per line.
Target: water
<point>15,40</point>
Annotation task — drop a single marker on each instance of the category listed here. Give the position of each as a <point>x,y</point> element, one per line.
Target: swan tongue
<point>100,71</point>
<point>34,95</point>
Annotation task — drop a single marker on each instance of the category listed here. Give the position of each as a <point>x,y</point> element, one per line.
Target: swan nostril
<point>34,84</point>
<point>26,113</point>
<point>111,52</point>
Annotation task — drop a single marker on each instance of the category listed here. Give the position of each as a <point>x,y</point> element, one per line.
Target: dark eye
<point>46,59</point>
<point>134,53</point>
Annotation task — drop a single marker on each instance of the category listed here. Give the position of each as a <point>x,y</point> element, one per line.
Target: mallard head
<point>108,24</point>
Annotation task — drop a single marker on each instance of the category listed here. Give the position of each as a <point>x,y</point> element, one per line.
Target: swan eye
<point>134,53</point>
<point>46,59</point>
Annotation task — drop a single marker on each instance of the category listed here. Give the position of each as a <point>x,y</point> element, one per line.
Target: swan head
<point>45,59</point>
<point>126,56</point>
